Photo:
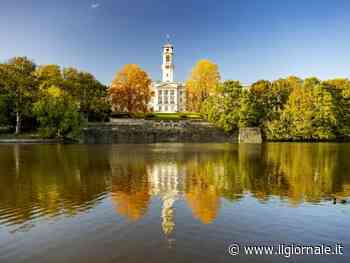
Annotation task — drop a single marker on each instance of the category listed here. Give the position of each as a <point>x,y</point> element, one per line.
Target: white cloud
<point>95,5</point>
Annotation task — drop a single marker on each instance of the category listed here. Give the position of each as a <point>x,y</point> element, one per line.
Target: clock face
<point>167,66</point>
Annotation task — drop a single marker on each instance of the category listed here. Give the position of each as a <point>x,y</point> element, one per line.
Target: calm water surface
<point>170,202</point>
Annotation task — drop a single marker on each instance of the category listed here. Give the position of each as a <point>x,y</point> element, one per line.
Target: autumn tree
<point>130,90</point>
<point>49,75</point>
<point>202,83</point>
<point>311,113</point>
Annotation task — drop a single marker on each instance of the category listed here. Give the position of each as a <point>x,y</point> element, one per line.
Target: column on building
<point>176,106</point>
<point>172,100</point>
<point>160,100</point>
<point>166,100</point>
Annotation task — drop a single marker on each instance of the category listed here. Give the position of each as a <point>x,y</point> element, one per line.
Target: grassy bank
<point>160,116</point>
<point>33,135</point>
<point>173,116</point>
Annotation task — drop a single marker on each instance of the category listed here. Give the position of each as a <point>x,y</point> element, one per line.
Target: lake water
<point>172,202</point>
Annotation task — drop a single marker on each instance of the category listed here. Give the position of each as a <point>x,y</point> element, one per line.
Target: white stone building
<point>169,96</point>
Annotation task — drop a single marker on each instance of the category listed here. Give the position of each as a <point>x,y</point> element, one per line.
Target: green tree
<point>6,102</point>
<point>6,110</point>
<point>89,92</point>
<point>223,108</point>
<point>19,80</point>
<point>248,113</point>
<point>340,88</point>
<point>263,102</point>
<point>57,114</point>
<point>256,104</point>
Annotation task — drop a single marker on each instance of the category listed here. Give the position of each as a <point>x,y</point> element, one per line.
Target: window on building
<point>172,97</point>
<point>167,58</point>
<point>160,97</point>
<point>166,108</point>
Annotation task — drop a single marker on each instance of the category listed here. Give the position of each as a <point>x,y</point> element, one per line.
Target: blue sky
<point>248,39</point>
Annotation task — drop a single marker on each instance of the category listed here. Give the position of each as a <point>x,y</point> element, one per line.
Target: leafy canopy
<point>130,90</point>
<point>202,83</point>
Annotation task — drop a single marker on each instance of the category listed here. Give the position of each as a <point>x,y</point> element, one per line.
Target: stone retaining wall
<point>150,131</point>
<point>250,135</point>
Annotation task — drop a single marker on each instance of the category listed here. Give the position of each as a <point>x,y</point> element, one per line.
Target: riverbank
<point>27,138</point>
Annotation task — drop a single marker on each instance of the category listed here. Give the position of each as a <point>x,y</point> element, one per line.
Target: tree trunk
<point>18,123</point>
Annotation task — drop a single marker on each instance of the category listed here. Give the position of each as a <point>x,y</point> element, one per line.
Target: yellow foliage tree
<point>202,83</point>
<point>130,90</point>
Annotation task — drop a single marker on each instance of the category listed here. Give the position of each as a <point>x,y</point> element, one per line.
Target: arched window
<point>167,58</point>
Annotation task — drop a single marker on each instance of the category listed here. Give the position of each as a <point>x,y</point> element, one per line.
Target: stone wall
<point>250,135</point>
<point>150,131</point>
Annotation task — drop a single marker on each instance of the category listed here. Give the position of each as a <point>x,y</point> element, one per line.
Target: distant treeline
<point>285,109</point>
<point>58,101</point>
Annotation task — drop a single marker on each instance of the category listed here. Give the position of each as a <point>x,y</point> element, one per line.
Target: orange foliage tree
<point>203,82</point>
<point>130,90</point>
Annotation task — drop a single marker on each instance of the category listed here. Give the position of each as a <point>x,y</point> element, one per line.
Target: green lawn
<point>159,116</point>
<point>172,116</point>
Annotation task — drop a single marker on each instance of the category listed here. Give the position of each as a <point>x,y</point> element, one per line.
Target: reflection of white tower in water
<point>167,182</point>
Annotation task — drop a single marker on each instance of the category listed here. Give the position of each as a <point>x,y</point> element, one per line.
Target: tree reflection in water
<point>50,180</point>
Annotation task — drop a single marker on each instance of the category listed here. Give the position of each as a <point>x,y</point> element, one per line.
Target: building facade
<point>169,95</point>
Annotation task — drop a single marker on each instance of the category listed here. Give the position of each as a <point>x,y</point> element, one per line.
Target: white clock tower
<point>169,95</point>
<point>168,65</point>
